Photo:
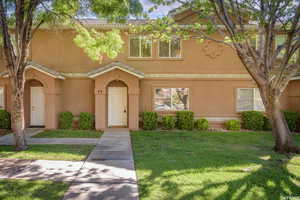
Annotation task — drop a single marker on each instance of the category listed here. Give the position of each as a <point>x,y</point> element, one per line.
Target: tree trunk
<point>17,118</point>
<point>280,129</point>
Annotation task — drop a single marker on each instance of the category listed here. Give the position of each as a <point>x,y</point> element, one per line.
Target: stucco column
<point>133,98</point>
<point>51,118</point>
<point>100,110</point>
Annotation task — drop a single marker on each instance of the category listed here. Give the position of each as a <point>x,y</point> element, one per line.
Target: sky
<point>161,11</point>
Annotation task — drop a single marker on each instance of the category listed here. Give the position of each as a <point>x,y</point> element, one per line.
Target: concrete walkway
<point>9,140</point>
<point>107,174</point>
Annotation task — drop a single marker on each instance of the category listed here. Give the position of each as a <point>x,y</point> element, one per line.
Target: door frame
<point>107,108</point>
<point>30,108</point>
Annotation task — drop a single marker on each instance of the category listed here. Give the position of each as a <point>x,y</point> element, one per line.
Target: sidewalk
<point>107,174</point>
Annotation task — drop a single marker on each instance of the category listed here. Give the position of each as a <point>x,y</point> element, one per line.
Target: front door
<point>117,106</point>
<point>37,106</point>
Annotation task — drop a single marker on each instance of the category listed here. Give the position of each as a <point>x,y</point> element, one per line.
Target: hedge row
<point>183,120</point>
<point>86,120</point>
<point>255,120</point>
<point>4,119</point>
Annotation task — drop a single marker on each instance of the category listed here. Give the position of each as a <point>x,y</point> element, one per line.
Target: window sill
<point>138,59</point>
<point>170,59</point>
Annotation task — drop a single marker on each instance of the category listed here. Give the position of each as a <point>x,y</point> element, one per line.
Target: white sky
<point>161,11</point>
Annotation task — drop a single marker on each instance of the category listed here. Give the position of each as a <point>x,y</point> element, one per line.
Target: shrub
<point>4,119</point>
<point>233,125</point>
<point>65,120</point>
<point>86,121</point>
<point>267,124</point>
<point>201,124</point>
<point>149,120</point>
<point>168,122</point>
<point>253,120</point>
<point>185,120</point>
<point>291,119</point>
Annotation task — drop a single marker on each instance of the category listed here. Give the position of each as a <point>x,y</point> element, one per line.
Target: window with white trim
<point>168,99</point>
<point>170,49</point>
<point>140,47</point>
<point>249,99</point>
<point>280,40</point>
<point>2,103</point>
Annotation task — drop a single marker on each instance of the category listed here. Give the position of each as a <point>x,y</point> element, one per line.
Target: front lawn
<point>68,134</point>
<point>48,152</point>
<point>32,190</point>
<point>193,165</point>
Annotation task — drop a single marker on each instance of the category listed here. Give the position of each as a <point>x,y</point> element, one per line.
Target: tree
<point>20,20</point>
<point>238,21</point>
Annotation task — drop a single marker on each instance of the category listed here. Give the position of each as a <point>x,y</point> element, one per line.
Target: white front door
<point>37,106</point>
<point>117,106</point>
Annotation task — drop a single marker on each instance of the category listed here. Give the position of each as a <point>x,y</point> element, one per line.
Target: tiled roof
<point>43,69</point>
<point>116,65</point>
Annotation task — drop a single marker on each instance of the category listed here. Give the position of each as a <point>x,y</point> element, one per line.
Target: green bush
<point>253,120</point>
<point>291,119</point>
<point>233,125</point>
<point>185,120</point>
<point>65,120</point>
<point>86,121</point>
<point>168,122</point>
<point>267,124</point>
<point>201,124</point>
<point>4,119</point>
<point>149,120</point>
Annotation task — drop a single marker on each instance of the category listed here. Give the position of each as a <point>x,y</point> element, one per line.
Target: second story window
<point>140,47</point>
<point>280,40</point>
<point>170,49</point>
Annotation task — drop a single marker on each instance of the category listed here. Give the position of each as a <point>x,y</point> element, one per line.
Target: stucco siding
<point>78,96</point>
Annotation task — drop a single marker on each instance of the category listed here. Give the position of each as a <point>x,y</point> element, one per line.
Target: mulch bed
<point>4,132</point>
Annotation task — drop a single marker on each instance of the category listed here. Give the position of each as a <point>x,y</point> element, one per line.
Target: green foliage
<point>267,124</point>
<point>86,121</point>
<point>149,120</point>
<point>4,119</point>
<point>185,120</point>
<point>168,122</point>
<point>233,125</point>
<point>95,43</point>
<point>292,119</point>
<point>65,120</point>
<point>253,120</point>
<point>201,124</point>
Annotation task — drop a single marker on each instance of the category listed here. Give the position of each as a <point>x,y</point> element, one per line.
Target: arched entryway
<point>34,103</point>
<point>108,95</point>
<point>117,104</point>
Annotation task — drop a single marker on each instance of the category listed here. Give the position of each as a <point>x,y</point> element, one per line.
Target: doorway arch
<point>34,103</point>
<point>117,104</point>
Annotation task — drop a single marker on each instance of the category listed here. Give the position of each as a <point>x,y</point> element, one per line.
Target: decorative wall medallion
<point>212,49</point>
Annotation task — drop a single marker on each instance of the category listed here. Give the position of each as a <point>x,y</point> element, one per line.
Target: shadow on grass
<point>20,189</point>
<point>48,152</point>
<point>189,165</point>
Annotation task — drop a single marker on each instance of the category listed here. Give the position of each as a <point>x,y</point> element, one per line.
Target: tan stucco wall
<point>78,96</point>
<point>58,51</point>
<point>207,98</point>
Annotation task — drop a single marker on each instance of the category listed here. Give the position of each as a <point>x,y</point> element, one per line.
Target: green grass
<point>68,134</point>
<point>32,190</point>
<point>48,152</point>
<point>194,165</point>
